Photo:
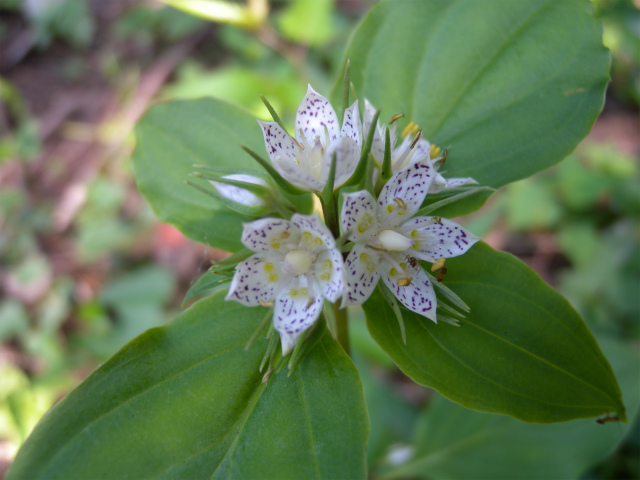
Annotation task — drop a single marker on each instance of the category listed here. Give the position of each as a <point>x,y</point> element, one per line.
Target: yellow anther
<point>438,265</point>
<point>275,245</point>
<point>310,302</point>
<point>390,208</point>
<point>266,304</point>
<point>410,129</point>
<point>404,282</point>
<point>434,151</point>
<point>438,220</point>
<point>284,235</point>
<point>393,272</point>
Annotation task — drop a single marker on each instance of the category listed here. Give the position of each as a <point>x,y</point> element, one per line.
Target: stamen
<point>297,143</point>
<point>434,150</point>
<point>416,140</point>
<point>405,281</point>
<point>410,129</point>
<point>438,265</point>
<point>397,116</point>
<point>401,203</point>
<point>266,304</point>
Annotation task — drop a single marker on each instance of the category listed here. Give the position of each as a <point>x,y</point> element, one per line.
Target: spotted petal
<point>327,274</point>
<point>296,309</point>
<point>418,296</point>
<point>358,215</point>
<point>314,234</point>
<point>410,185</point>
<point>361,274</point>
<point>313,115</point>
<point>352,125</point>
<point>256,279</point>
<point>269,235</point>
<point>347,155</point>
<point>438,239</point>
<point>280,146</point>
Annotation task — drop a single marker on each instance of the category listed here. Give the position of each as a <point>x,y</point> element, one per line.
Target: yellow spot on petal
<point>268,267</point>
<point>390,208</point>
<point>275,245</point>
<point>273,277</point>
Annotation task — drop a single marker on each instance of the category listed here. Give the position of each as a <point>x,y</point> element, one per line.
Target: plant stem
<point>343,328</point>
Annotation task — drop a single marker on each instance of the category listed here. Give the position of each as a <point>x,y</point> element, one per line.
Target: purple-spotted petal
<point>418,296</point>
<point>327,272</point>
<point>361,275</point>
<point>358,215</point>
<point>314,234</point>
<point>410,185</point>
<point>313,115</point>
<point>280,147</point>
<point>295,310</point>
<point>347,155</point>
<point>256,279</point>
<point>298,174</point>
<point>438,238</point>
<point>270,235</point>
<point>352,125</point>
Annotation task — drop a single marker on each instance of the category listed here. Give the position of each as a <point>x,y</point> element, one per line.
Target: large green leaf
<point>522,351</point>
<point>510,87</point>
<point>498,447</point>
<point>173,137</point>
<point>187,401</point>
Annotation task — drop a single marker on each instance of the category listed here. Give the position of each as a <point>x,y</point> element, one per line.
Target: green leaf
<point>510,88</point>
<point>498,447</point>
<point>521,351</point>
<point>187,401</point>
<point>173,137</point>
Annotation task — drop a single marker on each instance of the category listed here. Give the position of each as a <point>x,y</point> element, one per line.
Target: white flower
<point>239,194</point>
<point>404,155</point>
<point>295,265</point>
<point>388,241</point>
<point>306,160</point>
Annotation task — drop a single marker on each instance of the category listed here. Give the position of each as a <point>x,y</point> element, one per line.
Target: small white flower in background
<point>387,240</point>
<point>305,160</point>
<point>239,194</point>
<point>404,155</point>
<point>295,265</point>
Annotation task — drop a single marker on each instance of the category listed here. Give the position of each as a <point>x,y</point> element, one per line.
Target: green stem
<point>343,328</point>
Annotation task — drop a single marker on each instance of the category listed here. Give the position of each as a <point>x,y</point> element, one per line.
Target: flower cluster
<point>298,263</point>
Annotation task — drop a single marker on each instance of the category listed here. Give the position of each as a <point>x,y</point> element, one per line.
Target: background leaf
<point>522,350</point>
<point>498,447</point>
<point>187,401</point>
<point>509,87</point>
<point>171,138</point>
